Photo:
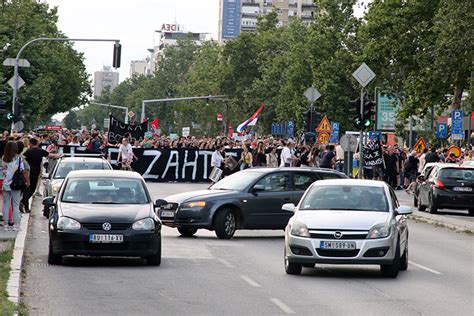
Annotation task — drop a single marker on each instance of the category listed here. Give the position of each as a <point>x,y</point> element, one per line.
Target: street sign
<point>334,138</point>
<point>363,75</point>
<point>106,122</point>
<point>131,114</point>
<point>441,130</point>
<point>186,131</point>
<point>11,82</point>
<point>324,126</point>
<point>323,138</point>
<point>387,108</point>
<point>420,145</point>
<point>455,150</point>
<point>220,116</point>
<point>456,123</point>
<point>349,142</point>
<point>312,94</point>
<point>374,134</point>
<point>10,62</point>
<point>291,129</point>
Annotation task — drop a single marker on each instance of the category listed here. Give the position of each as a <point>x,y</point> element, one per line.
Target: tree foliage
<point>57,80</point>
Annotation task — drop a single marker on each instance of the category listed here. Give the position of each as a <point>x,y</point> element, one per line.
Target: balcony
<point>250,2</point>
<point>308,4</point>
<point>250,14</point>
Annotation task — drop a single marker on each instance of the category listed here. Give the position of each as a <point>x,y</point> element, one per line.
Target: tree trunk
<point>456,104</point>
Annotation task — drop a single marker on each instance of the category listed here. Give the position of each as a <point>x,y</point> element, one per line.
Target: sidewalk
<point>456,220</point>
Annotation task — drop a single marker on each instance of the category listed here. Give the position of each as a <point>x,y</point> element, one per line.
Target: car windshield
<point>65,167</point>
<point>105,191</point>
<point>457,174</point>
<point>345,197</point>
<point>237,181</point>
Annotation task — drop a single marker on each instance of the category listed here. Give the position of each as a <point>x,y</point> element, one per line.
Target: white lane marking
<point>226,263</point>
<point>249,281</point>
<point>282,306</point>
<point>424,268</point>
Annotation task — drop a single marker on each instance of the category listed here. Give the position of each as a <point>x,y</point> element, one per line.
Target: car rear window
<point>65,167</point>
<point>457,174</point>
<point>345,197</point>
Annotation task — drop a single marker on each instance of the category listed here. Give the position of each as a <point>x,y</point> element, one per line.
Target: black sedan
<point>447,186</point>
<point>104,213</point>
<point>249,199</point>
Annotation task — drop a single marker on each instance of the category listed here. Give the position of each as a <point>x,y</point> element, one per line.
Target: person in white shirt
<point>217,159</point>
<point>126,154</point>
<point>286,156</point>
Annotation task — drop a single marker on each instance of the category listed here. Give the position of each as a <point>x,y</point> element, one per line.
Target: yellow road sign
<point>324,126</point>
<point>420,145</point>
<point>323,138</point>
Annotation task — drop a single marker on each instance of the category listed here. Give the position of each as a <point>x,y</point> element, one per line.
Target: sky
<point>133,22</point>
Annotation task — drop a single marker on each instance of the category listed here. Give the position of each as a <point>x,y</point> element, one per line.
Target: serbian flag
<point>154,124</point>
<point>251,121</point>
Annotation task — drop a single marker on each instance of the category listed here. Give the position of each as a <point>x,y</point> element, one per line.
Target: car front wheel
<point>53,258</point>
<point>154,260</point>
<point>292,267</point>
<point>225,224</point>
<point>187,232</point>
<point>404,259</point>
<point>391,270</point>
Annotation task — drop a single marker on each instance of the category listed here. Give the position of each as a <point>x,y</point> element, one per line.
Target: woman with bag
<point>15,178</point>
<point>245,159</point>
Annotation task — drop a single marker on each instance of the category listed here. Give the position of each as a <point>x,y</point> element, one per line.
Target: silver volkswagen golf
<point>347,221</point>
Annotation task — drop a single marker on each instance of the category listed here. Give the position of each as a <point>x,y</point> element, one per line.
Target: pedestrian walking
<point>272,159</point>
<point>329,158</point>
<point>15,177</point>
<point>126,155</point>
<point>245,160</point>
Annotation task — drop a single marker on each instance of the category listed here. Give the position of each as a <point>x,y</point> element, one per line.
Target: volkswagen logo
<point>338,235</point>
<point>106,226</point>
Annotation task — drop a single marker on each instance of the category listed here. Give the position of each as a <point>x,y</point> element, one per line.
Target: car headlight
<point>194,204</point>
<point>55,188</point>
<point>379,231</point>
<point>299,229</point>
<point>68,223</point>
<point>144,224</point>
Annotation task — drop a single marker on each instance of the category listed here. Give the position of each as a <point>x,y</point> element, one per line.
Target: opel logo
<point>106,226</point>
<point>338,235</point>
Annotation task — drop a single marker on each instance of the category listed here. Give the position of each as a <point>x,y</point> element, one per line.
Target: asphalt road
<point>245,276</point>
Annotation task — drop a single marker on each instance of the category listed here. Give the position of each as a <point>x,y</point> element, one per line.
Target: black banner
<point>164,165</point>
<point>373,153</point>
<point>117,130</point>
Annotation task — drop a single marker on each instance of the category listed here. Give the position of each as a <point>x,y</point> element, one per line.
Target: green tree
<point>57,80</point>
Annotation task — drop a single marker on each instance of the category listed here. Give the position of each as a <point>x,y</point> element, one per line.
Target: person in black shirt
<point>329,158</point>
<point>34,156</point>
<point>432,156</point>
<point>391,168</point>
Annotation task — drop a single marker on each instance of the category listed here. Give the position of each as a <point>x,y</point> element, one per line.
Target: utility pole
<point>114,106</point>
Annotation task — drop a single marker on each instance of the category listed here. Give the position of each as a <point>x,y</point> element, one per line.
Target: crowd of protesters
<point>22,151</point>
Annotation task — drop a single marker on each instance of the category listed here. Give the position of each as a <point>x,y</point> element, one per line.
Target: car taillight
<point>438,184</point>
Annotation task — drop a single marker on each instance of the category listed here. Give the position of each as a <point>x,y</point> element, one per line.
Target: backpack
<point>18,180</point>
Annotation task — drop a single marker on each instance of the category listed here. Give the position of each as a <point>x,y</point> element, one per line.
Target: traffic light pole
<point>62,39</point>
<point>114,106</point>
<point>361,134</point>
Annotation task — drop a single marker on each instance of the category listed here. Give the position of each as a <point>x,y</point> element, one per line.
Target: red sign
<point>53,127</point>
<point>220,116</point>
<point>169,27</point>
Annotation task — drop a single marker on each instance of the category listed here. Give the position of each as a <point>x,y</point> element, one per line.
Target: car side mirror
<point>160,203</point>
<point>289,207</point>
<point>403,210</point>
<point>258,188</point>
<point>49,201</point>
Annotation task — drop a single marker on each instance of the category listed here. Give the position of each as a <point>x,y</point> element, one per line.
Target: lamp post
<point>114,106</point>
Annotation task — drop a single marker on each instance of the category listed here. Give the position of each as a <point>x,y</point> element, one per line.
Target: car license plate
<point>106,239</point>
<point>167,214</point>
<point>343,245</point>
<point>462,189</point>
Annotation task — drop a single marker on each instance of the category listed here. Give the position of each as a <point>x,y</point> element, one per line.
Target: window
<point>275,182</point>
<point>457,174</point>
<point>394,199</point>
<point>329,175</point>
<point>303,180</point>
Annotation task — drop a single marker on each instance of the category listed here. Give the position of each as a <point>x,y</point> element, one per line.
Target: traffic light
<point>307,120</point>
<point>368,114</point>
<point>354,110</point>
<point>117,55</point>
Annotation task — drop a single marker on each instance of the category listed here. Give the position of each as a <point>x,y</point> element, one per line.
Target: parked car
<point>447,186</point>
<point>104,213</point>
<point>53,181</point>
<point>347,222</point>
<point>424,174</point>
<point>249,199</point>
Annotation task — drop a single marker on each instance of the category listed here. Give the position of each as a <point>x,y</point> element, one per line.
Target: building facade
<point>105,78</point>
<point>139,67</point>
<point>236,16</point>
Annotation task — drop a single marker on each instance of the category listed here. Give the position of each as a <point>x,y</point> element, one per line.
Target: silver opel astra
<point>347,221</point>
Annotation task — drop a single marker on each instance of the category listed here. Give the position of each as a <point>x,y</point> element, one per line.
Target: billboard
<point>387,107</point>
<point>230,19</point>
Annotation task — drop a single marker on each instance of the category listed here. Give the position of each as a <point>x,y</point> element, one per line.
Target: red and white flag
<point>251,120</point>
<point>155,124</point>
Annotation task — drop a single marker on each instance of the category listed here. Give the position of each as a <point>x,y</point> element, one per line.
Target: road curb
<point>440,223</point>
<point>14,280</point>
